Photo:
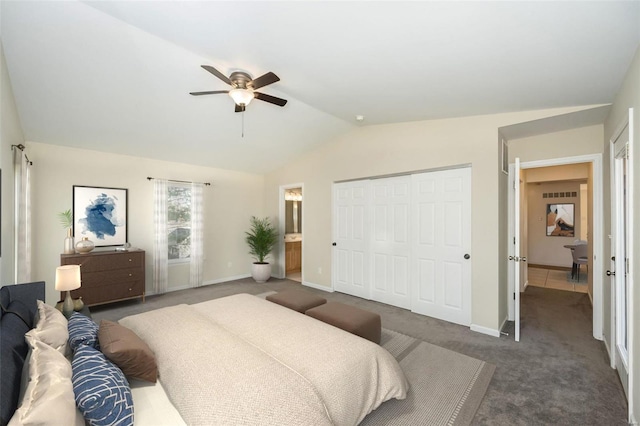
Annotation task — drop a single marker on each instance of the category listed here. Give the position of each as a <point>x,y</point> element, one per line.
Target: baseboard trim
<point>606,345</point>
<point>225,279</point>
<point>317,286</point>
<point>633,421</point>
<point>504,322</point>
<point>485,330</point>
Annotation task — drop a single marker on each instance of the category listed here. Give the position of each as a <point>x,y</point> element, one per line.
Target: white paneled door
<point>351,231</point>
<point>406,241</point>
<point>390,245</point>
<point>441,257</point>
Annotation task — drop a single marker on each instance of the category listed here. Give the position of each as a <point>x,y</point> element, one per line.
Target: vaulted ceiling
<point>115,75</point>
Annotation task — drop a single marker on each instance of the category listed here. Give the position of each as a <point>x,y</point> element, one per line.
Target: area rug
<point>446,387</point>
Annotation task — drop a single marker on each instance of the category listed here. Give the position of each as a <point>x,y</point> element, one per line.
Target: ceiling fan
<point>243,88</point>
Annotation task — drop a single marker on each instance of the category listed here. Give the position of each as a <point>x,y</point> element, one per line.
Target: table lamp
<point>67,279</point>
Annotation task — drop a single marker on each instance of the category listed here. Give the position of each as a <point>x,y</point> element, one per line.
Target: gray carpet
<point>557,375</point>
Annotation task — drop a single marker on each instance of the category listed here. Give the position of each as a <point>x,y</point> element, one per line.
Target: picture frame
<point>560,220</point>
<point>100,214</point>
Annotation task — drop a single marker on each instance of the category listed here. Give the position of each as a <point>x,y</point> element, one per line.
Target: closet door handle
<point>466,256</point>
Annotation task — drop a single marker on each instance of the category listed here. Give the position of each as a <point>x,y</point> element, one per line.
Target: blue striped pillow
<point>82,331</point>
<point>101,391</point>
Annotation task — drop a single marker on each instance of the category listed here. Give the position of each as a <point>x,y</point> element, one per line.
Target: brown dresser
<point>108,276</point>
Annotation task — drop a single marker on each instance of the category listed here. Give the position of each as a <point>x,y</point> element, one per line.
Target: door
<point>351,231</point>
<point>390,208</point>
<point>441,265</point>
<point>620,216</point>
<point>515,258</point>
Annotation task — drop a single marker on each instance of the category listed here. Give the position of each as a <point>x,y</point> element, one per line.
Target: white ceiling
<point>115,75</point>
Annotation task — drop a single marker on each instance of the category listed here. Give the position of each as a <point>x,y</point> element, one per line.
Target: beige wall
<point>396,148</point>
<point>228,204</point>
<point>628,97</point>
<point>10,134</point>
<point>568,143</point>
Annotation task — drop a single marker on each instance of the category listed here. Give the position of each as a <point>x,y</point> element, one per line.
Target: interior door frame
<point>626,122</point>
<point>282,210</point>
<point>597,239</point>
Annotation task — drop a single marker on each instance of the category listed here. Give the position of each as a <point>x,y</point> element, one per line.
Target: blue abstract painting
<point>100,214</point>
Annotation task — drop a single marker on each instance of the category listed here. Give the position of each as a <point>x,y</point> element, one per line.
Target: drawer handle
<point>130,275</point>
<point>129,289</point>
<point>130,260</point>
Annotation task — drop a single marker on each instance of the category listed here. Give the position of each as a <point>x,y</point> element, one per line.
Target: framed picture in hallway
<point>100,214</point>
<point>560,220</point>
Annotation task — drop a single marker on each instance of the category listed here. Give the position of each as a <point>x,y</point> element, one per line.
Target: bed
<point>244,360</point>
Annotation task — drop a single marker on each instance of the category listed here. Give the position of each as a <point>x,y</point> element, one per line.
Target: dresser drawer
<point>92,263</point>
<point>109,293</point>
<point>100,278</point>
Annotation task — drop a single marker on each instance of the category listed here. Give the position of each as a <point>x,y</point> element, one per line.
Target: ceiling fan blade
<point>264,80</point>
<point>240,108</point>
<point>215,92</point>
<point>217,73</point>
<point>271,99</point>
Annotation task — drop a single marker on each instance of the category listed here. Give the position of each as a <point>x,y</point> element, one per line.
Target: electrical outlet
<point>229,264</point>
<point>319,270</point>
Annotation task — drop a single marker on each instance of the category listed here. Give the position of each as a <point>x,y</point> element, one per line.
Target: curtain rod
<point>22,148</point>
<point>182,181</point>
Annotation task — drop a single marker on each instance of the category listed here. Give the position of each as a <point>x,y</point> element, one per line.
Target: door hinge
<point>514,296</point>
<point>514,241</point>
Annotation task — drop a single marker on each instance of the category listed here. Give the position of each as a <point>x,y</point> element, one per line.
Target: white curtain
<point>196,255</point>
<point>160,244</point>
<point>22,191</point>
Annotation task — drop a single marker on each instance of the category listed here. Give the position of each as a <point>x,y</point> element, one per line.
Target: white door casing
<point>441,222</point>
<point>351,238</point>
<point>390,244</point>
<point>621,248</point>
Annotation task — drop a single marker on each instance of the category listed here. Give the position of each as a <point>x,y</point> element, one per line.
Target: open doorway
<point>594,233</point>
<point>291,225</point>
<point>555,227</point>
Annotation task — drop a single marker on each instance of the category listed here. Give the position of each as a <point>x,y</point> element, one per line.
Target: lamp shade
<point>241,96</point>
<point>67,277</point>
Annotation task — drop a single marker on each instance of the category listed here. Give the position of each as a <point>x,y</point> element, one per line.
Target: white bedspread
<point>244,360</point>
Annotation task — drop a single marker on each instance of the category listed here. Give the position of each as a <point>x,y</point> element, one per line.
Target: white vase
<point>69,247</point>
<point>261,272</point>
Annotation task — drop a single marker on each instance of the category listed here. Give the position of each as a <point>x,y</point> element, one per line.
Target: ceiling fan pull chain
<point>243,122</point>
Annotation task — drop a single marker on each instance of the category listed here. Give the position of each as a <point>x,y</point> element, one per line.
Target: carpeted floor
<point>556,375</point>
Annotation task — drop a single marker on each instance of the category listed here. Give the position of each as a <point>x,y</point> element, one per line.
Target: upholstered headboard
<point>18,303</point>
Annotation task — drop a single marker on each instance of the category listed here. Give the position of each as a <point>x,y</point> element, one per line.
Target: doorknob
<point>466,256</point>
<point>609,273</point>
<point>523,259</point>
<point>511,257</point>
<point>334,244</point>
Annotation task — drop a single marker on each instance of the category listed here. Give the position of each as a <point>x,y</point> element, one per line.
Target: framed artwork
<point>560,220</point>
<point>100,214</point>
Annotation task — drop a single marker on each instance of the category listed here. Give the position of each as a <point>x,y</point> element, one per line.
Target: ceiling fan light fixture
<point>241,96</point>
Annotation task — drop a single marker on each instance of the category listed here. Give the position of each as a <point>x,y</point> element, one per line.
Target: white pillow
<point>48,397</point>
<point>51,328</point>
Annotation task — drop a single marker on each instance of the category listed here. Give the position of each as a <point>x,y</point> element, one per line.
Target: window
<point>179,221</point>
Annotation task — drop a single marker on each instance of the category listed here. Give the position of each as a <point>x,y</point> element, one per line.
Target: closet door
<point>441,265</point>
<point>390,247</point>
<point>351,237</point>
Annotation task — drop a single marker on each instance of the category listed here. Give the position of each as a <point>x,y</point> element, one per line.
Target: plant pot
<point>261,272</point>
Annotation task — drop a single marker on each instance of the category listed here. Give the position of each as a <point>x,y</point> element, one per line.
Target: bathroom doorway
<point>291,226</point>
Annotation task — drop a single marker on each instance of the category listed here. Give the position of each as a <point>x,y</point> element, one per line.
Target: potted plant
<point>66,220</point>
<point>261,238</point>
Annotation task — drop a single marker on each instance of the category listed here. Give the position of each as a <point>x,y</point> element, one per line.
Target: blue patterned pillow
<point>82,331</point>
<point>102,392</point>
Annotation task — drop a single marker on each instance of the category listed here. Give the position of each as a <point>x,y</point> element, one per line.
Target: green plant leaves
<point>261,238</point>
